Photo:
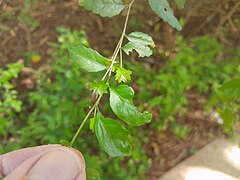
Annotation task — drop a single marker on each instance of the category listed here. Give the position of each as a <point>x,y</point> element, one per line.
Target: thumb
<point>58,163</point>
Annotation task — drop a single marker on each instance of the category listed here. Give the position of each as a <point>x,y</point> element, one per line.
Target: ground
<point>218,160</point>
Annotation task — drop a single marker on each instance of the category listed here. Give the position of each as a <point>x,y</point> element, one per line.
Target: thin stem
<point>121,38</point>
<point>121,58</point>
<point>95,112</point>
<point>112,59</point>
<point>84,121</point>
<point>108,72</point>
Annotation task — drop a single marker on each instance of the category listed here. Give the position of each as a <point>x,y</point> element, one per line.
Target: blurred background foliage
<point>44,96</point>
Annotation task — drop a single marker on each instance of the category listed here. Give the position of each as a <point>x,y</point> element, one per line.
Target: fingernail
<point>61,164</point>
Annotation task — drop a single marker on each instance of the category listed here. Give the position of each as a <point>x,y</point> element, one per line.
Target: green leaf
<point>92,174</point>
<point>227,115</point>
<point>65,143</point>
<point>112,136</point>
<point>163,10</point>
<point>105,8</point>
<point>87,58</point>
<point>229,91</point>
<point>180,3</point>
<point>92,123</point>
<point>121,102</point>
<point>99,88</point>
<point>141,50</point>
<point>123,75</point>
<point>141,38</point>
<point>140,42</point>
<point>233,84</point>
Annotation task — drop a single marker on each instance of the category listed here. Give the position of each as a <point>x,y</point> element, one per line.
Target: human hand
<point>46,162</point>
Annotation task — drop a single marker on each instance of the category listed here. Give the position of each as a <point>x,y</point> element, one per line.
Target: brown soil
<point>165,150</point>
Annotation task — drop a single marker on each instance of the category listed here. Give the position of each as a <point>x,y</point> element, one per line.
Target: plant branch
<point>108,72</point>
<point>121,58</point>
<point>119,45</point>
<point>84,121</point>
<point>229,14</point>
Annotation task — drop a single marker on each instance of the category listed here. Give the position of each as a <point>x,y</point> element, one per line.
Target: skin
<point>43,162</point>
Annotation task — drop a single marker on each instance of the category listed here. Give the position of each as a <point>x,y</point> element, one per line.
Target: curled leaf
<point>121,102</point>
<point>140,42</point>
<point>163,10</point>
